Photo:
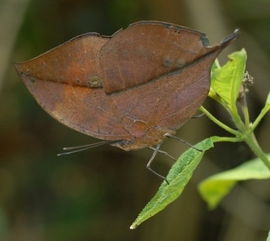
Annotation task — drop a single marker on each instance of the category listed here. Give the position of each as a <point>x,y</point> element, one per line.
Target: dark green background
<point>95,195</point>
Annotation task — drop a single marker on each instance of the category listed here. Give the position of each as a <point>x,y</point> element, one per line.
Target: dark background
<point>95,195</point>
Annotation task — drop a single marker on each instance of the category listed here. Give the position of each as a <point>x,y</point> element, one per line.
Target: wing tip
<point>229,38</point>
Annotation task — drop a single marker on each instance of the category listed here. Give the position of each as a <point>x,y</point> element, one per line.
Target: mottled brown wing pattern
<point>76,62</point>
<point>185,99</point>
<point>145,81</point>
<point>87,110</point>
<point>146,50</point>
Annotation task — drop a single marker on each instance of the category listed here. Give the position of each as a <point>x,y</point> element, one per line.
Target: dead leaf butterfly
<point>131,89</point>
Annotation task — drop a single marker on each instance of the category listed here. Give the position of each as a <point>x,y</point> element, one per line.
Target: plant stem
<point>245,107</point>
<point>252,142</point>
<point>260,116</point>
<point>237,120</point>
<point>246,115</point>
<point>227,139</point>
<point>244,133</point>
<point>218,122</point>
<point>249,137</point>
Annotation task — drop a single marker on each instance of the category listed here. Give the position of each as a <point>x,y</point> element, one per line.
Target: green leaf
<point>215,67</point>
<point>268,238</point>
<point>178,177</point>
<point>216,187</point>
<point>226,80</point>
<point>214,70</point>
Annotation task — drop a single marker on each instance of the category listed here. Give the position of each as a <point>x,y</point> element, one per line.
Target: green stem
<point>227,139</point>
<point>244,133</point>
<point>260,116</point>
<point>249,137</point>
<point>218,122</point>
<point>245,108</point>
<point>246,115</point>
<point>255,147</point>
<point>237,120</point>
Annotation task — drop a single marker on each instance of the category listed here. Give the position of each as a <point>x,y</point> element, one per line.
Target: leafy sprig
<point>226,87</point>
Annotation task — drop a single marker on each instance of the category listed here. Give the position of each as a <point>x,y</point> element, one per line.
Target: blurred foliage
<point>95,195</point>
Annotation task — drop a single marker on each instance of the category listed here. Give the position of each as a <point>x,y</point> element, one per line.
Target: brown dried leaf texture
<point>147,50</point>
<point>123,88</point>
<point>76,62</point>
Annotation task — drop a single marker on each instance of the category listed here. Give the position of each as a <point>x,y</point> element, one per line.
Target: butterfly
<point>132,89</point>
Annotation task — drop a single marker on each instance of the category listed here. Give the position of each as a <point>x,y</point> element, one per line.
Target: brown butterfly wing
<point>164,104</point>
<point>167,102</point>
<point>139,116</point>
<point>189,87</point>
<point>75,62</point>
<point>58,79</point>
<point>187,97</point>
<point>146,50</point>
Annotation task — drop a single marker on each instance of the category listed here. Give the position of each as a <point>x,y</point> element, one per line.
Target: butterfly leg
<point>163,152</point>
<point>182,140</point>
<point>148,165</point>
<point>198,116</point>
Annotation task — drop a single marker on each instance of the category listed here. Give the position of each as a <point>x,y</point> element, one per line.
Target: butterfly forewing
<point>134,87</point>
<point>147,50</point>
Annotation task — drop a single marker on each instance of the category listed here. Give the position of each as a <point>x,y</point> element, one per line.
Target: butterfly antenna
<point>92,145</point>
<point>148,165</point>
<point>74,149</point>
<point>183,141</point>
